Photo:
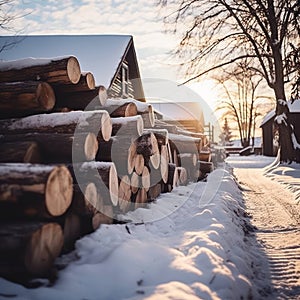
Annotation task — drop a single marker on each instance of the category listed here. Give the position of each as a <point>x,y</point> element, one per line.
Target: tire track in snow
<point>278,230</point>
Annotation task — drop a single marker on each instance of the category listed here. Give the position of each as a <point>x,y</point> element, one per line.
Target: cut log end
<point>113,185</point>
<point>58,191</point>
<point>73,70</point>
<point>102,95</point>
<point>45,96</point>
<point>90,80</point>
<point>90,146</point>
<point>44,246</point>
<point>106,127</point>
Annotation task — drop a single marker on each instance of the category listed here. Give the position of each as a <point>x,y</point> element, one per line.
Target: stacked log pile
<point>71,160</point>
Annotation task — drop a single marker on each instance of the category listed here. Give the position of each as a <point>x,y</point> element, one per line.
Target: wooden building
<point>270,135</point>
<point>111,58</point>
<point>186,114</point>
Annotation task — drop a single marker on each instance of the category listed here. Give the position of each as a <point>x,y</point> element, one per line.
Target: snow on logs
<point>97,122</point>
<point>34,190</point>
<point>24,97</point>
<point>54,70</point>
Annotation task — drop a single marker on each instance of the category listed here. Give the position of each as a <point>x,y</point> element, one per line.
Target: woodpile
<point>65,172</point>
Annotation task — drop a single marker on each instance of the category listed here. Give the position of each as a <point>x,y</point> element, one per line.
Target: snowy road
<point>276,216</point>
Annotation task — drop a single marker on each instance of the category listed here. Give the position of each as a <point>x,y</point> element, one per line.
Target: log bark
<point>55,147</point>
<point>103,217</point>
<point>29,248</point>
<point>124,194</point>
<point>130,126</point>
<point>125,110</point>
<point>84,100</point>
<point>20,152</point>
<point>162,136</point>
<point>102,174</point>
<point>85,83</point>
<point>184,144</point>
<point>154,192</point>
<point>54,70</point>
<point>85,200</point>
<point>38,190</point>
<point>97,122</point>
<point>26,97</point>
<point>144,109</point>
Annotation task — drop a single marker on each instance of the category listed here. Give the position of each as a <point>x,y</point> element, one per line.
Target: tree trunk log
<point>124,194</point>
<point>102,174</point>
<point>20,152</point>
<point>85,83</point>
<point>26,97</point>
<point>38,190</point>
<point>205,155</point>
<point>154,192</point>
<point>103,217</point>
<point>184,144</point>
<point>76,122</point>
<point>130,126</point>
<point>56,147</point>
<point>125,110</point>
<point>54,70</point>
<point>85,200</point>
<point>83,100</point>
<point>146,179</point>
<point>162,136</point>
<point>29,248</point>
<point>141,198</point>
<point>135,182</point>
<point>139,164</point>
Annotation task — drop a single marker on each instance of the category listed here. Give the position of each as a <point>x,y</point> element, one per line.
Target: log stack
<point>71,160</point>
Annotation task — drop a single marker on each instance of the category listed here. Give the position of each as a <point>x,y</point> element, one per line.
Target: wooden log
<point>146,179</point>
<point>38,190</point>
<point>135,182</point>
<point>102,174</point>
<point>85,83</point>
<point>85,200</point>
<point>141,198</point>
<point>26,97</point>
<point>162,136</point>
<point>118,150</point>
<point>205,155</point>
<point>125,110</point>
<point>187,160</point>
<point>84,100</point>
<point>29,248</point>
<point>20,152</point>
<point>147,144</point>
<point>173,177</point>
<point>144,109</point>
<point>55,147</point>
<point>164,161</point>
<point>182,175</point>
<point>103,217</point>
<point>184,144</point>
<point>97,122</point>
<point>206,167</point>
<point>58,70</point>
<point>154,192</point>
<point>124,194</point>
<point>139,164</point>
<point>159,124</point>
<point>130,126</point>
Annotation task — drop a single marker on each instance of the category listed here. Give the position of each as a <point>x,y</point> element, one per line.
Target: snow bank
<point>188,245</point>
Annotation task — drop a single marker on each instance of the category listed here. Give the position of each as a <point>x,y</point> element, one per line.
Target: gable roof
<point>294,107</point>
<point>100,54</point>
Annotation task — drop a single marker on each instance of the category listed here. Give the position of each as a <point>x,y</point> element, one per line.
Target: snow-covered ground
<point>190,244</point>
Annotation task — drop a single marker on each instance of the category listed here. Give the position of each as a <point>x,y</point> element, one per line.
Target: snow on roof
<point>293,108</point>
<point>179,110</point>
<point>99,54</point>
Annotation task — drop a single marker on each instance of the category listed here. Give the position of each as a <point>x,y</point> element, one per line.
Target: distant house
<point>187,114</point>
<point>111,58</point>
<point>270,134</point>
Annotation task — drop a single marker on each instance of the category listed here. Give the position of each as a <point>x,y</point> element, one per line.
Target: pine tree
<point>226,134</point>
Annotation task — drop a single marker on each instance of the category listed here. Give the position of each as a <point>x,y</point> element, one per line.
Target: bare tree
<point>240,99</point>
<point>219,33</point>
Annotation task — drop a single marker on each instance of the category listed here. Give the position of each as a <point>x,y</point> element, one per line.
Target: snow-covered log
<point>58,70</point>
<point>35,190</point>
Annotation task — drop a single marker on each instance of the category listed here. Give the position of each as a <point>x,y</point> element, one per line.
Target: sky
<point>143,19</point>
